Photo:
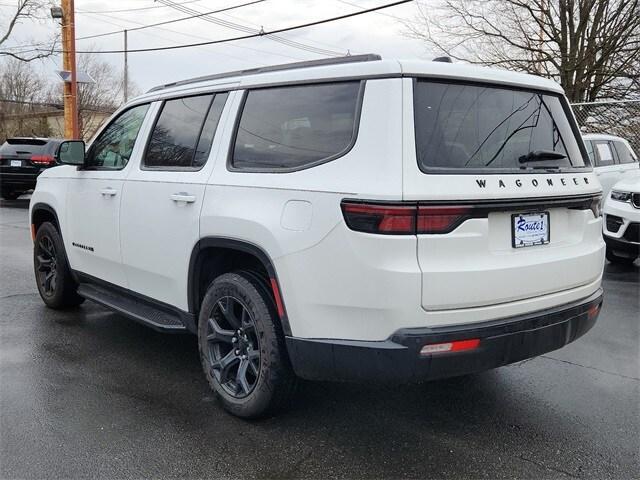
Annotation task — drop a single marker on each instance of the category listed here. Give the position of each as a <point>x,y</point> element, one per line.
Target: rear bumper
<point>21,180</point>
<point>398,358</point>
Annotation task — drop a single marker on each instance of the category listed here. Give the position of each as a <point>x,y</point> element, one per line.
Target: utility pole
<point>71,130</point>
<point>126,70</point>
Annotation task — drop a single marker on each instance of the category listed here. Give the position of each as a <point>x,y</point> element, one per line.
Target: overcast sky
<point>370,33</point>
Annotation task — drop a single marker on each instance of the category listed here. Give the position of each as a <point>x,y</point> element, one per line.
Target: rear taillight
<point>42,159</point>
<point>441,219</point>
<point>387,219</point>
<point>403,219</point>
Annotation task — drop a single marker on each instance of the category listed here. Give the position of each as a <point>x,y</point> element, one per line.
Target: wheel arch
<point>209,247</point>
<point>42,212</point>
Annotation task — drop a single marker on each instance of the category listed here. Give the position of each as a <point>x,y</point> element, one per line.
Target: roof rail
<point>369,57</point>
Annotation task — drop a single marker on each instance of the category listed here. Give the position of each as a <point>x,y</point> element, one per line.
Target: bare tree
<point>25,10</point>
<point>592,47</point>
<point>103,96</point>
<point>22,93</point>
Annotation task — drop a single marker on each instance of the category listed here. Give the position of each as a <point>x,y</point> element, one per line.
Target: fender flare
<point>193,293</point>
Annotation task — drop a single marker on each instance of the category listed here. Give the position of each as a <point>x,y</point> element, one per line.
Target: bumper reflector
<point>456,346</point>
<point>593,311</point>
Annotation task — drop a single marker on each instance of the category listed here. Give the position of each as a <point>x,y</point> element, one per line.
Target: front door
<point>163,197</point>
<point>94,196</point>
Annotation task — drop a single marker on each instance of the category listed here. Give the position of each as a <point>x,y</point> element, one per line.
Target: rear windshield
<point>461,126</point>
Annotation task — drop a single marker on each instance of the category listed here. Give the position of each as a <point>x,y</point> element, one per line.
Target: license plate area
<point>16,163</point>
<point>529,229</point>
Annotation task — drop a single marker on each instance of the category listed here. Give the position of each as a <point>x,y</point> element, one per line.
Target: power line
<point>124,10</point>
<point>167,21</point>
<point>243,28</point>
<point>255,35</point>
<point>191,35</point>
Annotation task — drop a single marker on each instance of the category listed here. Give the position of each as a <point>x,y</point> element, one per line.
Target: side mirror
<point>71,152</point>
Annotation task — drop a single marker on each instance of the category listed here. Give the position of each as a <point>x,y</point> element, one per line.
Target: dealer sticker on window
<point>530,229</point>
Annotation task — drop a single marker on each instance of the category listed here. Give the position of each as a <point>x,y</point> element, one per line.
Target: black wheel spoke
<point>223,366</point>
<point>47,281</point>
<point>219,334</point>
<point>44,263</point>
<point>253,367</point>
<point>229,314</point>
<point>241,377</point>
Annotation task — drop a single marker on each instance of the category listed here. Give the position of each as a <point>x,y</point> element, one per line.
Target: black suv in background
<point>21,161</point>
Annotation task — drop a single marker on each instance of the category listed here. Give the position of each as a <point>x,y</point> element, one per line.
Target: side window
<point>589,146</point>
<point>624,154</point>
<point>291,127</point>
<point>184,131</point>
<point>112,149</point>
<point>605,156</point>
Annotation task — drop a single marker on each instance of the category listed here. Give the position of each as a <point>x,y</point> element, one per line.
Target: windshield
<point>462,126</point>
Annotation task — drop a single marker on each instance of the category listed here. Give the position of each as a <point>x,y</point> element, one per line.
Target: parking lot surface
<point>87,393</point>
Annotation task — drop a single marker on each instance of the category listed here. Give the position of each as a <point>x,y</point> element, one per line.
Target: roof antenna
<point>261,32</point>
<point>443,59</point>
<point>348,52</point>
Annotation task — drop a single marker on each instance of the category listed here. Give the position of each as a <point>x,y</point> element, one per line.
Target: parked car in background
<point>613,159</point>
<point>622,221</point>
<point>21,161</point>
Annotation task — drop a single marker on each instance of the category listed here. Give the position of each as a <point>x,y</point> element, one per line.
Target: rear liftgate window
<point>288,128</point>
<point>461,127</point>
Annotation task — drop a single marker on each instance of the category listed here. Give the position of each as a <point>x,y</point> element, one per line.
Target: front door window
<point>112,149</point>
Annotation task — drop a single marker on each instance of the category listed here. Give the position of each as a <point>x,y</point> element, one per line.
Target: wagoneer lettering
<point>347,219</point>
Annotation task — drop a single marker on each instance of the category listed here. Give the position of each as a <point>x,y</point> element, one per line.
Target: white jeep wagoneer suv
<point>348,219</point>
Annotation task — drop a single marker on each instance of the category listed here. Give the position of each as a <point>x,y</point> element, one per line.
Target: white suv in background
<point>613,159</point>
<point>622,222</point>
<point>349,219</point>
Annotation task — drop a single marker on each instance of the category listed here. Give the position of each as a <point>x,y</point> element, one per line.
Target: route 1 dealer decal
<point>530,229</point>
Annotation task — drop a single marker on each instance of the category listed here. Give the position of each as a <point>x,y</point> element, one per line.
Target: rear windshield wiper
<point>541,156</point>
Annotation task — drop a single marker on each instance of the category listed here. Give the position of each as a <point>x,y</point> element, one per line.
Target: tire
<point>613,258</point>
<point>242,347</point>
<point>11,195</point>
<point>55,284</point>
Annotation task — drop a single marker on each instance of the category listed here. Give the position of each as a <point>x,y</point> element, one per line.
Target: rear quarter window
<point>294,127</point>
<point>624,154</point>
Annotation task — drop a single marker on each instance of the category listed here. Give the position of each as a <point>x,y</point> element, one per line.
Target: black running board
<point>161,318</point>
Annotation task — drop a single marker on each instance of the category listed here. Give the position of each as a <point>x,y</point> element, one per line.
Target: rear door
<point>505,197</point>
<point>163,196</point>
<point>607,167</point>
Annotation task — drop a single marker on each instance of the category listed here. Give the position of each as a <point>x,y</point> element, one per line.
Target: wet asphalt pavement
<point>87,393</point>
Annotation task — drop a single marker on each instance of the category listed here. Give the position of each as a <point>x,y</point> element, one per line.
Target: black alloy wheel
<point>233,347</point>
<point>46,265</point>
<point>53,275</point>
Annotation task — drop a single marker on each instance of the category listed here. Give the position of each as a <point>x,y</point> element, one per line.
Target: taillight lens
<point>441,219</point>
<point>403,219</point>
<point>386,219</point>
<point>42,159</point>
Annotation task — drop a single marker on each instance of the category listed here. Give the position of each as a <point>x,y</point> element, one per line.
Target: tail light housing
<point>389,219</point>
<point>42,159</point>
<point>403,218</point>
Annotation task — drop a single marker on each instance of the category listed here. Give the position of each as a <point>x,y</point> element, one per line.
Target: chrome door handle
<point>183,197</point>
<point>108,192</point>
